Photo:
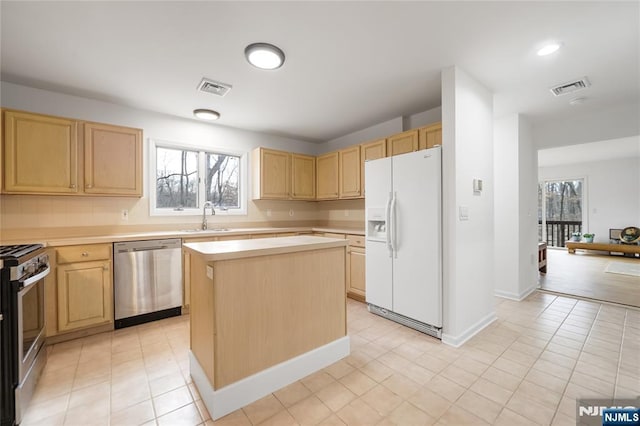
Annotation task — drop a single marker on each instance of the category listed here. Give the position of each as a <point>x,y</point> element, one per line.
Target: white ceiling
<point>590,152</point>
<point>349,65</point>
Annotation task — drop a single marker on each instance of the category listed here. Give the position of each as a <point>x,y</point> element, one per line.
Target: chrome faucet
<point>204,213</point>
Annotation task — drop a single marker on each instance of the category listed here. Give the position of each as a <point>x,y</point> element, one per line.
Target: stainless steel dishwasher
<point>147,280</point>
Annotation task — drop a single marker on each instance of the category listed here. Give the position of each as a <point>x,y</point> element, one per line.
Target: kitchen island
<point>264,313</point>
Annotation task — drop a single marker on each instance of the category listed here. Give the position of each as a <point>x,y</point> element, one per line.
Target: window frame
<point>243,178</point>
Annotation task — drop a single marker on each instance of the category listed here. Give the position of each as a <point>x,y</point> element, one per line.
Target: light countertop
<point>236,249</point>
<point>185,234</point>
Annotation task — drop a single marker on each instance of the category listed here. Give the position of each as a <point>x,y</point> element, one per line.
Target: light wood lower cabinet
<point>85,288</point>
<point>356,273</point>
<point>355,280</point>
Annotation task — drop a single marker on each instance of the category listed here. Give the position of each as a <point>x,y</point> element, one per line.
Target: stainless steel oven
<point>23,326</point>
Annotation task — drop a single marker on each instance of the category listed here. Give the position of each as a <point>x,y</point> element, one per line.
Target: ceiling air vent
<point>570,87</point>
<point>214,87</point>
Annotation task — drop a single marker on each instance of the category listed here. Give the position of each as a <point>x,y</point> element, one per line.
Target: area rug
<point>624,268</point>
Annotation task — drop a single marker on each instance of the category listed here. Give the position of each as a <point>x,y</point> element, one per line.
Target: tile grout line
<point>624,329</point>
<point>579,356</point>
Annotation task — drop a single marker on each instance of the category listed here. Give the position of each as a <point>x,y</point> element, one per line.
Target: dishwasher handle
<point>134,249</point>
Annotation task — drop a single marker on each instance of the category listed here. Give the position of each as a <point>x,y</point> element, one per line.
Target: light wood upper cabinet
<point>430,136</point>
<point>271,173</point>
<point>112,160</point>
<point>281,175</point>
<point>402,143</point>
<point>327,173</point>
<point>303,177</point>
<point>40,154</point>
<point>371,151</point>
<point>47,155</point>
<point>349,172</point>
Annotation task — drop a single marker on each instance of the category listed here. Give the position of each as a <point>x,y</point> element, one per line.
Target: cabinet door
<point>327,172</point>
<point>303,177</point>
<point>272,171</point>
<point>371,151</point>
<point>349,172</point>
<point>402,143</point>
<point>41,154</point>
<point>356,273</point>
<point>430,136</point>
<point>112,160</point>
<point>84,295</point>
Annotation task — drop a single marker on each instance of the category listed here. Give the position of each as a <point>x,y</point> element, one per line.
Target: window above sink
<point>183,177</point>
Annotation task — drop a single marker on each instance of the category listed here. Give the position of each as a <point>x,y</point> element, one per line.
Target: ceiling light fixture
<point>206,114</point>
<point>264,56</point>
<point>549,49</point>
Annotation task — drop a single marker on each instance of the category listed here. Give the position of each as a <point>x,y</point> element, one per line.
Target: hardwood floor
<point>582,274</point>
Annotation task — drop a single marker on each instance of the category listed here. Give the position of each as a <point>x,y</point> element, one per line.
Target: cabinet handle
<point>89,186</point>
<point>85,254</point>
<point>72,186</point>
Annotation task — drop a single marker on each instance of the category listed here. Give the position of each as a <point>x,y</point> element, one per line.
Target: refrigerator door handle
<point>392,227</point>
<point>387,218</point>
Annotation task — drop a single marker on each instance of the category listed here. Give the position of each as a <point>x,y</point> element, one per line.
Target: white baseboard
<point>460,339</point>
<point>515,296</point>
<point>225,400</point>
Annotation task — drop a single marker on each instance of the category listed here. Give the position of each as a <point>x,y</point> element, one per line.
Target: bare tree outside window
<point>221,183</point>
<point>182,184</point>
<point>176,178</point>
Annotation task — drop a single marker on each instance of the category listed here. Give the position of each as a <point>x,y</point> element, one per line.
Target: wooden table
<point>264,313</point>
<point>619,248</point>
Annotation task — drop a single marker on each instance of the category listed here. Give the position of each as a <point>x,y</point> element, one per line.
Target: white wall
<point>612,123</point>
<point>377,131</point>
<point>528,209</point>
<point>50,211</point>
<point>382,130</point>
<point>424,118</point>
<point>467,123</point>
<point>612,192</point>
<point>515,206</point>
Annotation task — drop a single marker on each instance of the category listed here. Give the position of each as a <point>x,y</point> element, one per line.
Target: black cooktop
<point>18,250</point>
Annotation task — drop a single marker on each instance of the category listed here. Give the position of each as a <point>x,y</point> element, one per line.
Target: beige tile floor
<point>526,368</point>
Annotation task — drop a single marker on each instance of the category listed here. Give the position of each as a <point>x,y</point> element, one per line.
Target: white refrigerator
<point>403,199</point>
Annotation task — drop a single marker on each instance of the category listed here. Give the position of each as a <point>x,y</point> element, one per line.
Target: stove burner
<point>18,250</point>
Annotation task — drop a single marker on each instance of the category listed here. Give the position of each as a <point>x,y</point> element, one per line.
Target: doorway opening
<point>560,210</point>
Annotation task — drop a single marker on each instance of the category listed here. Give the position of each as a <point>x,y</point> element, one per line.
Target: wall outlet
<point>124,214</point>
<point>268,212</point>
<point>291,212</point>
<point>346,213</point>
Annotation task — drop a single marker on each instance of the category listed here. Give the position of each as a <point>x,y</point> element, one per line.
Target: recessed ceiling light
<point>264,56</point>
<point>549,49</point>
<point>206,114</point>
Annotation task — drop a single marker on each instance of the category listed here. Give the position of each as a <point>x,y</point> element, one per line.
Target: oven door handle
<point>35,278</point>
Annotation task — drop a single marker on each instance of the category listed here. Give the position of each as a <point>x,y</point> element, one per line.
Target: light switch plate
<point>463,212</point>
<point>209,272</point>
